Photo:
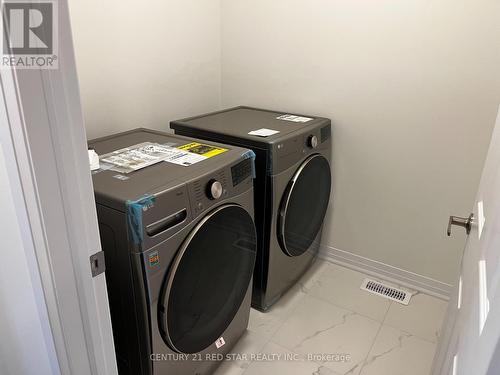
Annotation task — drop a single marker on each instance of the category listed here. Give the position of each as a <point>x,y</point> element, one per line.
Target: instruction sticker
<point>202,149</point>
<point>294,118</point>
<point>144,154</point>
<point>184,158</point>
<point>263,132</point>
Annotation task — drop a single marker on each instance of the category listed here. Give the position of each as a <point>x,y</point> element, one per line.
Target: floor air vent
<point>386,291</point>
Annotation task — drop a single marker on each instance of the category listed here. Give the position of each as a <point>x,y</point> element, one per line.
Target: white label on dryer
<point>294,118</point>
<point>220,342</point>
<point>263,132</point>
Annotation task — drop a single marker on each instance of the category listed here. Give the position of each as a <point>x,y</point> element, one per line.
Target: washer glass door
<point>208,279</point>
<point>304,205</point>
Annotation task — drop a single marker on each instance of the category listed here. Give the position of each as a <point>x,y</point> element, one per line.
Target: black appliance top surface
<point>238,122</point>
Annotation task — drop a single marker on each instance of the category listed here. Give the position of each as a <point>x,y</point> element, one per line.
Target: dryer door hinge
<point>97,264</point>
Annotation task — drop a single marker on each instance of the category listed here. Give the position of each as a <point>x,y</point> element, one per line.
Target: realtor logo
<point>30,34</point>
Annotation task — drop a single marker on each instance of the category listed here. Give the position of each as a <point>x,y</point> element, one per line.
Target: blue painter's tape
<point>250,155</point>
<point>134,216</point>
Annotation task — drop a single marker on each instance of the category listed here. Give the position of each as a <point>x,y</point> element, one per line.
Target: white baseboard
<point>384,271</point>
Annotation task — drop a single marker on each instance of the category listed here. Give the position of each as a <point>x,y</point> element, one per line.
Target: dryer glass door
<point>208,279</point>
<point>304,205</point>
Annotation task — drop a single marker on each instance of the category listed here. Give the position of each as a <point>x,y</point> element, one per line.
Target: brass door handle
<point>461,222</point>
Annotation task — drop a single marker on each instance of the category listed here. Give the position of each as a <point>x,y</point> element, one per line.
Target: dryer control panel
<point>293,149</point>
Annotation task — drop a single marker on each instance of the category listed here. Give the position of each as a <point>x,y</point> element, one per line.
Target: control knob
<point>312,141</point>
<point>214,189</point>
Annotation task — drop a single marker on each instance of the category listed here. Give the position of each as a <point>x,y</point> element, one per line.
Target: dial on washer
<point>312,141</point>
<point>214,189</point>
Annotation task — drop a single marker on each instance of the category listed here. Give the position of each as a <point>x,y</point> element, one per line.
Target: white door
<point>472,329</point>
<point>52,221</point>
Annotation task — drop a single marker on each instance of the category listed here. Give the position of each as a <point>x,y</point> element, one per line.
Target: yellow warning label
<point>202,149</point>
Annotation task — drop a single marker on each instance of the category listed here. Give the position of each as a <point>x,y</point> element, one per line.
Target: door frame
<point>46,135</point>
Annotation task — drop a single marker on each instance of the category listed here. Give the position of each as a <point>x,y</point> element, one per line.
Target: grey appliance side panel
<point>124,279</point>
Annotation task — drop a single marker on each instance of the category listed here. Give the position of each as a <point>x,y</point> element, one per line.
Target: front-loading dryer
<point>292,187</point>
<point>176,224</point>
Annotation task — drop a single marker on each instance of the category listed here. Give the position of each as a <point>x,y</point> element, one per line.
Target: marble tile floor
<point>326,325</point>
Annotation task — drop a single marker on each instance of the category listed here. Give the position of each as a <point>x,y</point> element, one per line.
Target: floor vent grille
<point>386,291</point>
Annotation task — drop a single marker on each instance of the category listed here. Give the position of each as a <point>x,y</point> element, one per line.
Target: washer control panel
<point>231,180</point>
<point>207,190</point>
<point>241,171</point>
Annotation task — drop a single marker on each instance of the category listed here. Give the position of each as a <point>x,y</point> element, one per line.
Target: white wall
<point>412,88</point>
<point>145,63</point>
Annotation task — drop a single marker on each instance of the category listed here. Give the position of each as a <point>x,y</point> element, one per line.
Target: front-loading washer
<point>176,224</point>
<point>292,187</point>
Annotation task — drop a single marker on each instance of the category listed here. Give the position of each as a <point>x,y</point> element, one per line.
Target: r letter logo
<point>30,35</point>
